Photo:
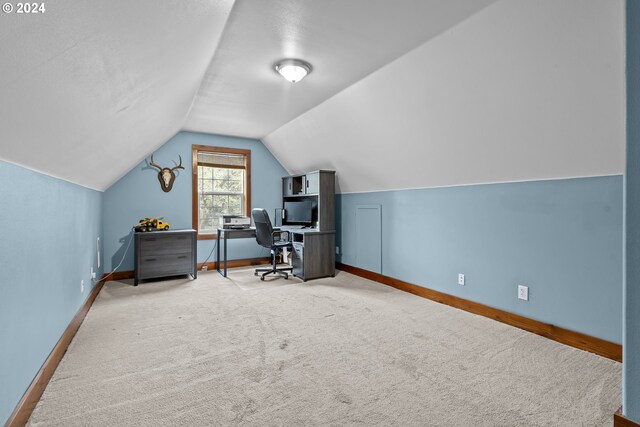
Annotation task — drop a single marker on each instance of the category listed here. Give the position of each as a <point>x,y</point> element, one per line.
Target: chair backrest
<point>264,229</point>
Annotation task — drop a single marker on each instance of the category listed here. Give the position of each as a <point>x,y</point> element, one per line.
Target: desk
<point>230,233</point>
<point>313,250</point>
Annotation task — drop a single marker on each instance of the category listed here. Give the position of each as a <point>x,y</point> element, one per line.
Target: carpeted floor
<point>330,352</point>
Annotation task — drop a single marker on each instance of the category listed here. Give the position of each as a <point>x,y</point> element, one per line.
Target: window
<point>221,186</point>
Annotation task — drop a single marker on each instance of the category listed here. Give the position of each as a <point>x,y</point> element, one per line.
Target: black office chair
<point>268,238</point>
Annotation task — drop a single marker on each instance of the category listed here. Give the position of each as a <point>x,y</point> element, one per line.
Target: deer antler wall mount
<point>166,176</point>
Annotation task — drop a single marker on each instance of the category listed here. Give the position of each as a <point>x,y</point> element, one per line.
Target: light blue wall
<point>138,195</point>
<point>562,238</point>
<point>48,231</point>
<point>631,319</point>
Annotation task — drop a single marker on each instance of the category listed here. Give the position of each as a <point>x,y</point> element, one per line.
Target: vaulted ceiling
<point>89,89</point>
<point>343,40</point>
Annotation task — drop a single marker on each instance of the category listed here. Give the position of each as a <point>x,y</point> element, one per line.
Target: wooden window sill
<point>207,236</point>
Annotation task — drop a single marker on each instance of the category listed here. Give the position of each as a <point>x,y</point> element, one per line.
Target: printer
<point>235,221</point>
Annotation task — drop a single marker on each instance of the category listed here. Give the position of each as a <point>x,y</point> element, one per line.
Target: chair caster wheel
<point>262,278</point>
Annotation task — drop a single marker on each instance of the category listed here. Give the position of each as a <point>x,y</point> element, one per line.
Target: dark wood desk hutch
<point>314,248</point>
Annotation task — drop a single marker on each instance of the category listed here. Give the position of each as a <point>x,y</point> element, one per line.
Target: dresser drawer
<point>160,265</point>
<point>165,245</point>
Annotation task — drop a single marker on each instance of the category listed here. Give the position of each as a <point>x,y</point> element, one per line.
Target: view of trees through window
<point>221,186</point>
<point>221,192</point>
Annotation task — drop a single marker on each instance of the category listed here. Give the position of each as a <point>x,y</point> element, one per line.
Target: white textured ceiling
<point>344,40</point>
<point>89,88</point>
<point>523,90</point>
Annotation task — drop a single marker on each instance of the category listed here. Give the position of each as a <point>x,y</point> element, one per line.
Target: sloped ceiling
<point>404,93</point>
<point>344,40</point>
<point>523,90</point>
<point>89,88</point>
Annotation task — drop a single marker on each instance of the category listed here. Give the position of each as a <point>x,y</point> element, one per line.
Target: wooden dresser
<point>164,254</point>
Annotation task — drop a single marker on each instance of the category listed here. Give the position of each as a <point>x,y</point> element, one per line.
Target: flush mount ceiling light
<point>293,70</point>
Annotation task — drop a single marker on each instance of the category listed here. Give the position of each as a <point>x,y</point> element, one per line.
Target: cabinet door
<point>312,183</point>
<point>298,260</point>
<point>287,186</point>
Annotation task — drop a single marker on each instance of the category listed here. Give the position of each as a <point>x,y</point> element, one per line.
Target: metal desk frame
<point>230,233</point>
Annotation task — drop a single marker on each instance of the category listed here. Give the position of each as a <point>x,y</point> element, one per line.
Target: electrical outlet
<point>337,250</point>
<point>93,274</point>
<point>204,267</point>
<point>81,286</point>
<point>460,279</point>
<point>523,292</point>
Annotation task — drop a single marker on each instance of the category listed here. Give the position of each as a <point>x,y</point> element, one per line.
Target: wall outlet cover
<point>81,285</point>
<point>204,267</point>
<point>461,279</point>
<point>523,292</point>
<point>337,250</point>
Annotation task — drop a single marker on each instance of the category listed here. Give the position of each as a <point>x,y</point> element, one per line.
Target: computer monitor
<point>299,212</point>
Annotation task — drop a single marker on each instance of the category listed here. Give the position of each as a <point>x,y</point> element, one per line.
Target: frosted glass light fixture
<point>293,70</point>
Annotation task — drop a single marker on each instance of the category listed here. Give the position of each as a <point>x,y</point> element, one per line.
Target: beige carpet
<point>330,352</point>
